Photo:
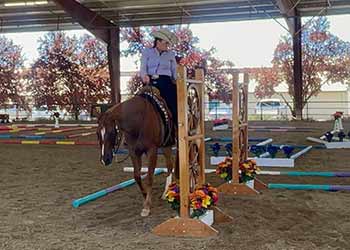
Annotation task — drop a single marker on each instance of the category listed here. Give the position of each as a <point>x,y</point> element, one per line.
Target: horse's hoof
<point>145,212</point>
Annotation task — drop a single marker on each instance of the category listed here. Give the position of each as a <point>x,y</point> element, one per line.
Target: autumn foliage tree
<point>324,58</point>
<point>93,65</point>
<point>11,63</point>
<point>187,53</point>
<point>70,73</point>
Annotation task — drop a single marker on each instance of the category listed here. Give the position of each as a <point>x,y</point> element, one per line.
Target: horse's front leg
<point>152,163</point>
<point>137,164</point>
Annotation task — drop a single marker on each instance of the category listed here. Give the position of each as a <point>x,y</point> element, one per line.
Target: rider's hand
<point>146,79</point>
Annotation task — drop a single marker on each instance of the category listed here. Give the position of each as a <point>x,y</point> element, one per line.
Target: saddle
<point>152,94</point>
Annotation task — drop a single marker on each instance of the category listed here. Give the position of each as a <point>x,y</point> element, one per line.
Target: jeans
<point>167,90</point>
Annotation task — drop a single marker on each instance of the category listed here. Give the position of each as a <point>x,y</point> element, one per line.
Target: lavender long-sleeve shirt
<point>154,63</point>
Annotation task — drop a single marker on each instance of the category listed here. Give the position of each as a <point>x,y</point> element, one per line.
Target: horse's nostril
<point>108,162</point>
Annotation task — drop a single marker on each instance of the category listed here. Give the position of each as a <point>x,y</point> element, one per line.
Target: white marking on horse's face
<point>103,132</point>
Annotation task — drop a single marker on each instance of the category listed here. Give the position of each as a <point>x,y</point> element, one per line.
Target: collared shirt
<point>155,63</point>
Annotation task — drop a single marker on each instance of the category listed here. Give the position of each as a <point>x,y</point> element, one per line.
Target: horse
<point>140,123</point>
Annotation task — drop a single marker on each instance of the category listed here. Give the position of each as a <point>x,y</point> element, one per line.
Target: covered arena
<point>39,181</point>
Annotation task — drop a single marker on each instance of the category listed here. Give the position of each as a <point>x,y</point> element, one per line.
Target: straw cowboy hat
<point>165,35</point>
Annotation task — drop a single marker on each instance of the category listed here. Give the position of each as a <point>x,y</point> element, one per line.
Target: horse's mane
<point>107,118</point>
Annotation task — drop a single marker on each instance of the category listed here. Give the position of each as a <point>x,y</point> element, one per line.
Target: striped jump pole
<point>62,130</point>
<point>16,130</point>
<point>308,187</point>
<point>305,173</point>
<point>228,139</point>
<point>49,142</point>
<point>91,197</point>
<point>48,125</point>
<point>164,169</point>
<point>280,127</point>
<point>32,137</point>
<point>3,128</point>
<point>81,134</point>
<point>278,130</point>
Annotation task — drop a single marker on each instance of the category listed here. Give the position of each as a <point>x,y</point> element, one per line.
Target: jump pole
<point>308,187</point>
<point>144,170</point>
<point>306,173</point>
<point>101,193</point>
<point>49,142</point>
<point>32,137</point>
<point>263,172</point>
<point>263,143</point>
<point>55,131</point>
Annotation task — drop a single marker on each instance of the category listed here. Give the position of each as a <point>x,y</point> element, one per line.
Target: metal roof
<point>35,16</point>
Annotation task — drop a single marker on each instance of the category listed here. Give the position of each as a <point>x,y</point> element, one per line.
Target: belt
<point>155,77</point>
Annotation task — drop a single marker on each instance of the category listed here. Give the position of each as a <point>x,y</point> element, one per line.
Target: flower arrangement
<point>224,169</point>
<point>173,196</point>
<point>247,170</point>
<point>338,114</point>
<point>200,200</point>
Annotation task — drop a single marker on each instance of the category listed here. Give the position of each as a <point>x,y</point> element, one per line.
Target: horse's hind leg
<point>170,166</point>
<point>152,163</point>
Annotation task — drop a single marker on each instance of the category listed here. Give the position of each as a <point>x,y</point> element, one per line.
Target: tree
<point>69,73</point>
<point>11,63</point>
<point>92,58</point>
<point>323,59</point>
<point>218,84</point>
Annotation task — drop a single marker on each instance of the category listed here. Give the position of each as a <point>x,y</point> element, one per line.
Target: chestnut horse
<point>141,125</point>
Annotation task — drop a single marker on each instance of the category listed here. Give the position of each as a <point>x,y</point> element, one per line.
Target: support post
<point>297,69</point>
<point>113,52</point>
<point>199,76</point>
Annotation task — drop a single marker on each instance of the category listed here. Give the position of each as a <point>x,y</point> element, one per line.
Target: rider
<point>158,68</point>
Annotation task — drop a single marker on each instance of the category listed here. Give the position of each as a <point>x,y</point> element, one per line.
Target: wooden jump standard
<point>191,148</point>
<point>239,137</point>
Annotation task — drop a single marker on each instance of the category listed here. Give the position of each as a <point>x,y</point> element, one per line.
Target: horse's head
<point>106,135</point>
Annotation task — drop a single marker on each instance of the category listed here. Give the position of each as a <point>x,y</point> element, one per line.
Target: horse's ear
<point>96,111</point>
<point>99,116</point>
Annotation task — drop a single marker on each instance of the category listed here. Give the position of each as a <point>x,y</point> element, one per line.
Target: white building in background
<point>332,98</point>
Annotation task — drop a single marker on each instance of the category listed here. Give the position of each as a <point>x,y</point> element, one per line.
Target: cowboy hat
<point>165,35</point>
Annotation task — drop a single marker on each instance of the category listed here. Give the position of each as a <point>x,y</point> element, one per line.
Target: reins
<point>118,143</point>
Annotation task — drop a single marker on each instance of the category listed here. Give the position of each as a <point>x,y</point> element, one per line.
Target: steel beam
<point>288,12</point>
<point>104,30</point>
<point>87,18</point>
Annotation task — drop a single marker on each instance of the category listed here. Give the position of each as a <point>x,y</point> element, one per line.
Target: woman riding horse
<point>140,121</point>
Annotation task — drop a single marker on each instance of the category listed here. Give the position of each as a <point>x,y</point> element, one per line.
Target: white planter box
<point>250,184</point>
<point>261,162</point>
<point>207,218</point>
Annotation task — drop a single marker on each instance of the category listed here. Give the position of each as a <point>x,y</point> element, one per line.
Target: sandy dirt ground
<point>38,183</point>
